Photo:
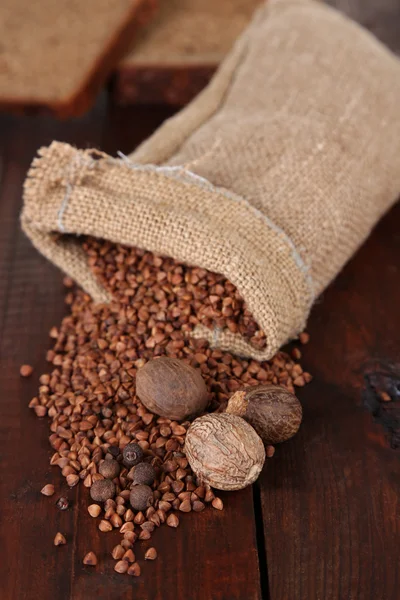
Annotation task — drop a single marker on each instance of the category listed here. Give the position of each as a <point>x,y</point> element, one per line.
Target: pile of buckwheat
<point>89,394</point>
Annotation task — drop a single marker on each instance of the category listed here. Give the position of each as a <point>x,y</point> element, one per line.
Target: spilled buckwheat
<point>89,394</point>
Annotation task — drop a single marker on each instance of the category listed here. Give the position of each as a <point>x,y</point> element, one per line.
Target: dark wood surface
<point>322,523</point>
<point>381,17</point>
<point>176,85</point>
<point>208,552</point>
<point>331,497</point>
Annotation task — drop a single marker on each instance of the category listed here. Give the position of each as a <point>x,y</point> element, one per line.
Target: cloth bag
<point>274,175</point>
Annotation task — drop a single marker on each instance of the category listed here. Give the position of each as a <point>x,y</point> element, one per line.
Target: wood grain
<point>174,85</point>
<point>31,301</point>
<point>212,554</point>
<point>330,499</point>
<point>381,17</point>
<point>331,496</point>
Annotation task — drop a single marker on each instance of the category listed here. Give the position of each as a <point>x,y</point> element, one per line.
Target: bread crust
<point>84,96</point>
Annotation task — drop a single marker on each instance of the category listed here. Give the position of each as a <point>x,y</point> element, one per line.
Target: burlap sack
<point>273,176</point>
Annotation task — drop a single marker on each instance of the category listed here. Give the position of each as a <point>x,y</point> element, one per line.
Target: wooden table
<point>322,523</point>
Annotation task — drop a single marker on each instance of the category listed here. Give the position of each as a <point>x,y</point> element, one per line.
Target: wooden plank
<point>128,126</point>
<point>331,496</point>
<point>381,17</point>
<point>31,301</point>
<point>211,555</point>
<point>171,63</point>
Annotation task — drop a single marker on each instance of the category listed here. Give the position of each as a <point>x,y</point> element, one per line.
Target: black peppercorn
<point>141,497</point>
<point>109,468</point>
<point>102,490</point>
<point>143,473</point>
<point>132,455</point>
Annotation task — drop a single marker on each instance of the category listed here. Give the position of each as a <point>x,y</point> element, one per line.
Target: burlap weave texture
<point>273,176</point>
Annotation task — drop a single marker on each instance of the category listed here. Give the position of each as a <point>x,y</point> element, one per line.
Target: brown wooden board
<point>31,301</point>
<point>330,498</point>
<point>175,57</point>
<point>176,85</point>
<point>381,17</point>
<point>212,554</point>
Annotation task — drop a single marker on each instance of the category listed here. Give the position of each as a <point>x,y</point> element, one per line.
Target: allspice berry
<point>132,455</point>
<point>142,474</point>
<point>170,388</point>
<point>102,490</point>
<point>141,497</point>
<point>109,468</point>
<point>224,451</point>
<point>273,411</point>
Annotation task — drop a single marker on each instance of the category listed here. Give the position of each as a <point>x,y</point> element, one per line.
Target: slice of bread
<point>175,56</point>
<point>56,55</point>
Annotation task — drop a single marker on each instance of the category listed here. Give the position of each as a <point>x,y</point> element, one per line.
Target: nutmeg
<point>224,451</point>
<point>141,497</point>
<point>132,454</point>
<point>170,388</point>
<point>102,490</point>
<point>109,468</point>
<point>143,473</point>
<point>273,411</point>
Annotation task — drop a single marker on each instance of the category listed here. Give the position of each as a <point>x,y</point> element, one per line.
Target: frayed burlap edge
<point>69,193</point>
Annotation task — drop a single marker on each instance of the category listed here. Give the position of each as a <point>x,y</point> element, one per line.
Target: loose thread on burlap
<point>185,168</point>
<point>173,172</point>
<point>166,170</point>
